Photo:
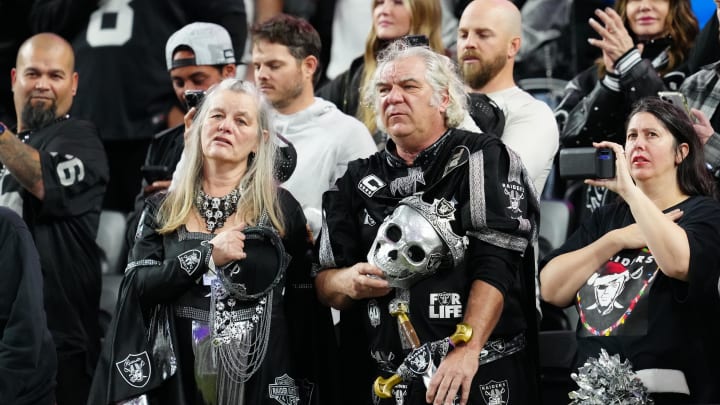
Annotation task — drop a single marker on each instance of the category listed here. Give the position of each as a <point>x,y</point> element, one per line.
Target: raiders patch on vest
<point>370,185</point>
<point>135,369</point>
<point>515,193</point>
<point>190,261</point>
<point>495,393</point>
<point>284,390</point>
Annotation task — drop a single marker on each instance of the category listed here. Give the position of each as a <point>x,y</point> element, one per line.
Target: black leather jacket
<point>595,109</point>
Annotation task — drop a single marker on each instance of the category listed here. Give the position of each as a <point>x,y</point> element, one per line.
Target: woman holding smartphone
<point>643,272</point>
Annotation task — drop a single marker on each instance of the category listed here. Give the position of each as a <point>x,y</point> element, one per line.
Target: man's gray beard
<point>478,78</point>
<point>35,117</point>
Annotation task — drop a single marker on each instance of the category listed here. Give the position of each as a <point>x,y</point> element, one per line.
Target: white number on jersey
<point>111,24</point>
<point>70,171</point>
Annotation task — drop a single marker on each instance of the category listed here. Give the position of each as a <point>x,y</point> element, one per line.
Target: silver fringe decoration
<point>236,348</point>
<point>607,381</point>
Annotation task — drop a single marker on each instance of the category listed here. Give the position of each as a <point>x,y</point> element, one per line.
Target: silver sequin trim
<point>184,234</point>
<point>142,263</point>
<point>477,190</point>
<point>516,166</point>
<point>326,258</point>
<point>501,239</point>
<point>192,313</point>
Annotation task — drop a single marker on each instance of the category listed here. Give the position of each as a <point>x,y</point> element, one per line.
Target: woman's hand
<point>622,183</point>
<point>229,245</point>
<point>616,40</point>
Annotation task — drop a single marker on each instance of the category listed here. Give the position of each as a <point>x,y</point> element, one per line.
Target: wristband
<point>209,263</point>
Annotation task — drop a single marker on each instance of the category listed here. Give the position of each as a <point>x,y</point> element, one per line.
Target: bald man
<point>488,40</point>
<point>53,174</point>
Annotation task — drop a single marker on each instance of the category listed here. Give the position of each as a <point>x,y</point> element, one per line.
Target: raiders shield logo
<point>284,390</point>
<point>419,360</point>
<point>135,369</point>
<point>495,393</point>
<point>190,261</point>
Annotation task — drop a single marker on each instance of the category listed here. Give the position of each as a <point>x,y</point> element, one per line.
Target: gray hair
<point>441,74</point>
<point>258,183</point>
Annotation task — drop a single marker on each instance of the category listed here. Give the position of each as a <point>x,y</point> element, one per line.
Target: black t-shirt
<point>64,226</point>
<point>492,205</point>
<point>629,306</point>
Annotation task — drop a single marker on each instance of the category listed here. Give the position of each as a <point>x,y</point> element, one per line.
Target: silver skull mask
<point>413,241</point>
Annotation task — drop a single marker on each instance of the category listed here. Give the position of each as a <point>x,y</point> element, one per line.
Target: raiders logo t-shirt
<point>629,306</point>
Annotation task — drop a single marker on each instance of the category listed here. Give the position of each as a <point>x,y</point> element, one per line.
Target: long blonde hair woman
<point>392,19</point>
<point>218,275</point>
<point>257,183</point>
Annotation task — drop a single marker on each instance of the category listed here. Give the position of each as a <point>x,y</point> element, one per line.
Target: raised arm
<point>23,161</point>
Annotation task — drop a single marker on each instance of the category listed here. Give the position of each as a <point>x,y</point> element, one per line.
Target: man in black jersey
<point>119,47</point>
<point>475,186</point>
<point>54,174</point>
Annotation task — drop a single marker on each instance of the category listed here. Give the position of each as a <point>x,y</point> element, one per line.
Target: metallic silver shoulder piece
<point>415,239</point>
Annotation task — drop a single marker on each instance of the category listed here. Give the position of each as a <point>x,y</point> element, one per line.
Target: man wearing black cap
<point>198,56</point>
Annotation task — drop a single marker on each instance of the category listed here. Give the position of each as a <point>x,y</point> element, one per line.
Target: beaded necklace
<point>607,331</point>
<point>216,210</point>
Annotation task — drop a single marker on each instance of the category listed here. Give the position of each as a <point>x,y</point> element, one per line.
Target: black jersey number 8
<point>111,24</point>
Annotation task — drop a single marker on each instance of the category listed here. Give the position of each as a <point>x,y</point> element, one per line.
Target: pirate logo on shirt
<point>609,286</point>
<point>614,298</point>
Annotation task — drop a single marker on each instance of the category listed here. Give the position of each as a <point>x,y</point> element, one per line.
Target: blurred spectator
<point>546,50</point>
<point>350,21</point>
<point>643,44</point>
<point>707,45</point>
<point>27,354</point>
<point>54,175</point>
<point>119,47</point>
<point>13,32</point>
<point>391,20</point>
<point>488,42</point>
<point>285,57</point>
